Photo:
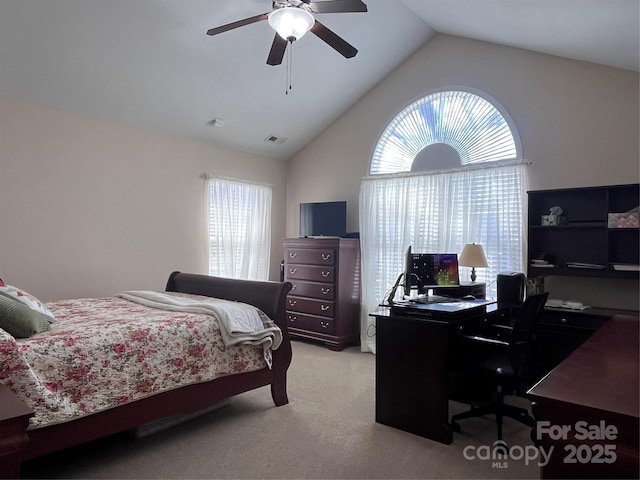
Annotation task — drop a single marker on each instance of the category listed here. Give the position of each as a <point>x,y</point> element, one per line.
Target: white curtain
<point>439,212</point>
<point>239,228</point>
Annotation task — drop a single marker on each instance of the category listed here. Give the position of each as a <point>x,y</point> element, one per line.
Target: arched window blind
<point>469,123</point>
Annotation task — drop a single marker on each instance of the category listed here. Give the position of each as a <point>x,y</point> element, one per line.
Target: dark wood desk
<point>412,370</point>
<point>560,331</point>
<point>599,382</point>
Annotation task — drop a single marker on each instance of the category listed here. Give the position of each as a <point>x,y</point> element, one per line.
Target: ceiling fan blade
<point>239,23</point>
<point>333,40</point>
<point>277,50</point>
<point>338,6</point>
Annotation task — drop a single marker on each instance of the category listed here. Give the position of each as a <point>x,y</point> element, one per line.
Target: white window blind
<point>239,228</point>
<point>469,123</point>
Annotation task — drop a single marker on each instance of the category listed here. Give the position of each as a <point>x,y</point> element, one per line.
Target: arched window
<point>443,130</point>
<point>446,171</point>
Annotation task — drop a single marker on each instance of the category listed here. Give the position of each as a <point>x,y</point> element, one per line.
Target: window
<point>239,228</point>
<point>470,125</point>
<point>445,172</point>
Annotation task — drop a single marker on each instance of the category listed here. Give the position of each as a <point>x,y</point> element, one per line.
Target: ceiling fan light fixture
<point>291,23</point>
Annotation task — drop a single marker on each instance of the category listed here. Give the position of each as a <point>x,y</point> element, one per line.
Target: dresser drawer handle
<point>293,270</point>
<point>324,324</point>
<point>563,320</point>
<point>292,318</point>
<point>325,290</point>
<point>326,256</point>
<point>292,302</point>
<point>324,308</point>
<point>294,286</point>
<point>326,274</point>
<point>293,254</point>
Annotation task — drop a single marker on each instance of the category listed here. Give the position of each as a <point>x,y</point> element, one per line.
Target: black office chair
<point>500,360</point>
<point>510,289</point>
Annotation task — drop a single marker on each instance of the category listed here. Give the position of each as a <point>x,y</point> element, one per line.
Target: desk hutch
<point>585,242</point>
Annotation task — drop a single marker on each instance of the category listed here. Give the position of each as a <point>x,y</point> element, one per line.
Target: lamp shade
<point>291,23</point>
<point>472,256</point>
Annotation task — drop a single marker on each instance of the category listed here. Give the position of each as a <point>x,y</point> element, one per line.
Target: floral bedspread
<point>103,352</point>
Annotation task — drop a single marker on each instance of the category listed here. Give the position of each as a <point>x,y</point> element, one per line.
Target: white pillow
<point>26,298</point>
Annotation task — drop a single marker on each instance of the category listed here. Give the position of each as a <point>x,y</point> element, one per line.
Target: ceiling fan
<point>291,19</point>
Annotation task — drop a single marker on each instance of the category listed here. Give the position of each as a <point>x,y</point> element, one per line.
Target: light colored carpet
<point>327,430</point>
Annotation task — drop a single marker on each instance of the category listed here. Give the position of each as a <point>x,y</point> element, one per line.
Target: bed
<point>31,427</point>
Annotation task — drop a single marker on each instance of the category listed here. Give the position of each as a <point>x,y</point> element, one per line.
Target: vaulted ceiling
<point>150,65</point>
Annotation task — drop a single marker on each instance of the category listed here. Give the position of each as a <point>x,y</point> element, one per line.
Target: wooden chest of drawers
<point>324,303</point>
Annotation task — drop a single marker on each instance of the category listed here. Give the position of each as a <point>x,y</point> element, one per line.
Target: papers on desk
<point>568,304</point>
<point>453,307</point>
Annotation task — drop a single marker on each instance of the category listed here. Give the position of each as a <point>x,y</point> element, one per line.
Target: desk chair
<point>510,289</point>
<point>500,359</point>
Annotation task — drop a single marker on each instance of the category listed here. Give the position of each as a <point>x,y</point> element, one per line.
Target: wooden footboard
<point>268,296</point>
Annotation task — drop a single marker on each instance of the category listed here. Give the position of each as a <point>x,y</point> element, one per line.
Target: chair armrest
<point>488,330</point>
<point>502,329</point>
<point>485,340</point>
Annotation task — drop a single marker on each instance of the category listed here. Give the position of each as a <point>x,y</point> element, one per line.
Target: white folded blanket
<point>239,322</point>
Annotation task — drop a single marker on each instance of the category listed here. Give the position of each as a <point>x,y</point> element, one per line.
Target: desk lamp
<point>473,256</point>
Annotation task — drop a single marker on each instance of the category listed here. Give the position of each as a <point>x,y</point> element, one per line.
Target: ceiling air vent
<point>216,122</point>
<point>275,139</point>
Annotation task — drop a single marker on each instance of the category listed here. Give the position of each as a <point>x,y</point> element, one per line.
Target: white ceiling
<point>149,63</point>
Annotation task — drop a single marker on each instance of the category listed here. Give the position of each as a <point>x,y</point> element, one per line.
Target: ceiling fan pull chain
<point>289,62</point>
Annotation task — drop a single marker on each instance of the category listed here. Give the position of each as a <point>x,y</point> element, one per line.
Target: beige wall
<point>578,123</point>
<point>91,208</point>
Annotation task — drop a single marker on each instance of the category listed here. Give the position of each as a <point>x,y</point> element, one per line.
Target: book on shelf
<point>595,266</point>
<point>536,262</point>
<point>625,267</point>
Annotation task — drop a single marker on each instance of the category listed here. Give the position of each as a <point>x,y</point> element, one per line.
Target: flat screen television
<point>323,219</point>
